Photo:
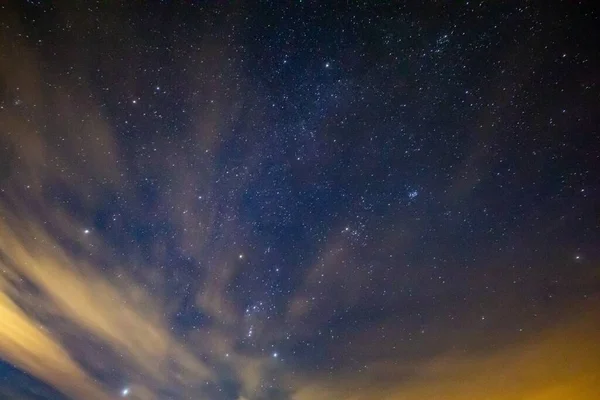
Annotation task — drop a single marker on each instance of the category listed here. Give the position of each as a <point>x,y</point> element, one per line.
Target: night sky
<point>299,200</point>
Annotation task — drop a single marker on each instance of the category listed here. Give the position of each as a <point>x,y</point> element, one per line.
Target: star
<point>86,231</point>
<point>125,392</point>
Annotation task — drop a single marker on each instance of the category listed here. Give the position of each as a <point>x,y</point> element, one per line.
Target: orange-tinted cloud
<point>50,293</point>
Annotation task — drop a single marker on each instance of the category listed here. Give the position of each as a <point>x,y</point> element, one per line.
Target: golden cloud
<point>72,290</point>
<point>49,293</point>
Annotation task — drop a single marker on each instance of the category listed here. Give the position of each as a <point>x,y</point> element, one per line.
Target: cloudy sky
<point>299,201</point>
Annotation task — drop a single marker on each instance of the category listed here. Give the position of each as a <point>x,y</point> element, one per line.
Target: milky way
<point>299,200</point>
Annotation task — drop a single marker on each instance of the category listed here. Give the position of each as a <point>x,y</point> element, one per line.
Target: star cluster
<point>299,201</point>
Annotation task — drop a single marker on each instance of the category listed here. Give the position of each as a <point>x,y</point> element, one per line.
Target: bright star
<point>86,231</point>
<point>125,392</point>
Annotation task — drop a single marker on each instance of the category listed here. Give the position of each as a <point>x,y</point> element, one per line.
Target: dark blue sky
<point>295,200</point>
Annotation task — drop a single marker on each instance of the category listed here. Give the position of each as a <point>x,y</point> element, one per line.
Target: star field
<point>299,201</point>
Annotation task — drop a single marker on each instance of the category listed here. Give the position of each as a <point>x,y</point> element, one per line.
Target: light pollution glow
<point>42,282</point>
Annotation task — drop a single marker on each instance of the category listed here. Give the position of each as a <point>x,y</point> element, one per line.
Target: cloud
<point>29,347</point>
<point>83,314</point>
<point>74,312</point>
<point>37,272</point>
